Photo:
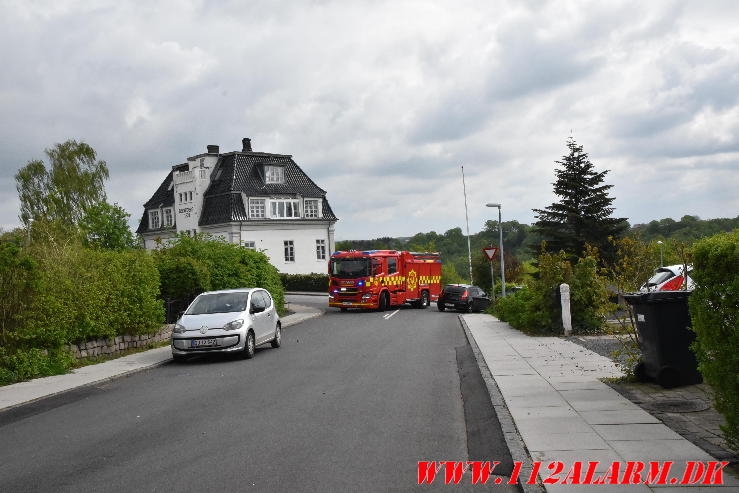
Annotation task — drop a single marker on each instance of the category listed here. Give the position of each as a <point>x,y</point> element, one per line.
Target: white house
<point>260,200</point>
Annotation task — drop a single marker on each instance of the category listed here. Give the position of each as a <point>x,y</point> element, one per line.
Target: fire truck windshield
<point>350,267</point>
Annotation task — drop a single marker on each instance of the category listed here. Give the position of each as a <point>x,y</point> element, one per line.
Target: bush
<point>227,265</point>
<point>537,309</point>
<point>714,311</point>
<point>84,294</point>
<point>72,294</point>
<point>305,282</point>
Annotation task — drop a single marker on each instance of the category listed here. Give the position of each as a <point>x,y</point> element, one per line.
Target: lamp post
<point>502,261</point>
<point>661,263</point>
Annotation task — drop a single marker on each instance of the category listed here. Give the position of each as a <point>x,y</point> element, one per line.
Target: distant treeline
<point>522,242</point>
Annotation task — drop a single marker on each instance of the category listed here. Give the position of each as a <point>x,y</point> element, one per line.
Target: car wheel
<point>277,341</point>
<point>179,358</point>
<point>249,350</point>
<point>440,306</point>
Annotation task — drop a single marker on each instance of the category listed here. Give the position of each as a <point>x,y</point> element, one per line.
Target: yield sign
<point>490,252</point>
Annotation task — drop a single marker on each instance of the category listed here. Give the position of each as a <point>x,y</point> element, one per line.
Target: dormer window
<point>311,208</point>
<point>284,209</point>
<point>154,219</point>
<point>274,174</point>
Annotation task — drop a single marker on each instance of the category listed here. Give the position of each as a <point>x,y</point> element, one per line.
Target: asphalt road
<point>351,401</point>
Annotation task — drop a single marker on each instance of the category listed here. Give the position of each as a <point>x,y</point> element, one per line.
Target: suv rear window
<point>455,289</point>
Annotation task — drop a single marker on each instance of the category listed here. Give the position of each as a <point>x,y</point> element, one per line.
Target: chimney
<point>246,143</point>
<point>212,149</point>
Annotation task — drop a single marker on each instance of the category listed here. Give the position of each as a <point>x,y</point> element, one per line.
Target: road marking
<point>387,316</point>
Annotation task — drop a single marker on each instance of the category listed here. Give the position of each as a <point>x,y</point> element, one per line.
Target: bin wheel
<point>668,377</point>
<point>640,372</point>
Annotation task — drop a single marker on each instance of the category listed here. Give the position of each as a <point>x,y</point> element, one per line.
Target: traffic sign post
<point>490,253</point>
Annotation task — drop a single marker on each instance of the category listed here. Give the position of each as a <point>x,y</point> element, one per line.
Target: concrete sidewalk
<point>563,412</point>
<point>25,392</point>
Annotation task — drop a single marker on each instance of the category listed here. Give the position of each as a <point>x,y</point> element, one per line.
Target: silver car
<point>228,321</point>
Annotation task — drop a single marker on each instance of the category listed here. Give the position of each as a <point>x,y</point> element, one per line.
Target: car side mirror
<point>256,309</point>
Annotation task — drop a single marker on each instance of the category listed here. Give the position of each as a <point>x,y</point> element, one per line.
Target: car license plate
<point>347,303</point>
<point>203,342</point>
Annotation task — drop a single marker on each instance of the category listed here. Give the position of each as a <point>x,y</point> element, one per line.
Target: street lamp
<point>502,260</point>
<point>661,263</point>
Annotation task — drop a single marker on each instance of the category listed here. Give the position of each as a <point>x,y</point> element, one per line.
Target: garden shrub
<point>714,310</point>
<point>72,294</point>
<point>228,266</point>
<point>305,282</point>
<point>537,308</point>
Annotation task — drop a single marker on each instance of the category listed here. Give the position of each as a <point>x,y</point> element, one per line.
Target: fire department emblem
<point>412,280</point>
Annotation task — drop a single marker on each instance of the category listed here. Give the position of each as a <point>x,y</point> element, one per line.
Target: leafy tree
<point>72,183</point>
<point>106,226</point>
<point>583,214</point>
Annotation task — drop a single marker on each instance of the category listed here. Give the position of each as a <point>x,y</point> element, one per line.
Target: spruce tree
<point>583,213</point>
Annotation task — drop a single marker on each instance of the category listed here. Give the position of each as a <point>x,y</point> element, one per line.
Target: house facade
<point>260,200</point>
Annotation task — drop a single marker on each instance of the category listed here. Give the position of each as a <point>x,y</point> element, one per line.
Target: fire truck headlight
<point>366,296</point>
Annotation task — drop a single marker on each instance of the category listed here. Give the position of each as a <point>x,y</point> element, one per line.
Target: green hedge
<point>305,282</point>
<point>714,310</point>
<point>214,264</point>
<point>71,294</point>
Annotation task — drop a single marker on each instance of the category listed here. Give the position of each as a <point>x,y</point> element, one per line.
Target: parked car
<point>229,321</point>
<point>668,278</point>
<point>463,297</point>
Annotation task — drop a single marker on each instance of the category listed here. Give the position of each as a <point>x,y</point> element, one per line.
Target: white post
<point>564,290</point>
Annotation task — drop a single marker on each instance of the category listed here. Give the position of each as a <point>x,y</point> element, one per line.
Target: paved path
<point>24,392</point>
<point>565,413</point>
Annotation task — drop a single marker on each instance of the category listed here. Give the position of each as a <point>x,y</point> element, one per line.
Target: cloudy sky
<point>382,102</point>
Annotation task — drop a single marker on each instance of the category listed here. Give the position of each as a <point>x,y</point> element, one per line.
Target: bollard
<point>564,290</point>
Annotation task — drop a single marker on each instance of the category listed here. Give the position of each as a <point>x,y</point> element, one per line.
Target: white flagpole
<point>467,219</point>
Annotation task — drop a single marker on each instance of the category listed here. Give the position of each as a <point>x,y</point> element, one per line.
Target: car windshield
<point>350,267</point>
<point>218,303</point>
<point>659,277</point>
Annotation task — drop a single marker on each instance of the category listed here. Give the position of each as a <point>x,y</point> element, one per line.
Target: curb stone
<point>513,439</point>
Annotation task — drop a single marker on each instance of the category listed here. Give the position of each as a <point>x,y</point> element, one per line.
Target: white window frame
<point>278,208</point>
<point>274,174</point>
<point>154,219</point>
<point>250,244</point>
<point>314,210</point>
<point>321,249</point>
<point>168,214</point>
<point>289,247</point>
<point>254,208</point>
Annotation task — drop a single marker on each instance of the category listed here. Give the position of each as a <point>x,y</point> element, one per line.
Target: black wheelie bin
<point>662,320</point>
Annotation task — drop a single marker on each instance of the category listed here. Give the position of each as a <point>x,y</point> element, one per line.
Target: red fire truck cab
<point>380,279</point>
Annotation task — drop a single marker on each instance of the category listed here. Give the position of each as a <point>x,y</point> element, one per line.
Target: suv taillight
<point>464,295</point>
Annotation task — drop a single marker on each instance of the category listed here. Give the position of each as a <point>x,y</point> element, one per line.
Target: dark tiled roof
<point>242,171</point>
<point>238,172</point>
<point>222,208</point>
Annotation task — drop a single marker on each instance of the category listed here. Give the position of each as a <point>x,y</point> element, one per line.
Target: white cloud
<point>381,102</point>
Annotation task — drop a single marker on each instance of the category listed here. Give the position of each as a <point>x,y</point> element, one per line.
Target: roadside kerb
<point>513,439</point>
<point>22,393</point>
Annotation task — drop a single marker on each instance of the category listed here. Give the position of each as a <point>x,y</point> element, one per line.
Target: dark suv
<point>463,297</point>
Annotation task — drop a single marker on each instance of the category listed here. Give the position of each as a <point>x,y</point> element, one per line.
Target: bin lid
<point>656,297</point>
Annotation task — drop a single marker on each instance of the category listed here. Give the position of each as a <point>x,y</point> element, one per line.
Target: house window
<point>289,250</point>
<point>321,249</point>
<point>284,209</point>
<point>189,194</point>
<point>311,208</point>
<point>153,219</point>
<point>202,174</point>
<point>274,174</point>
<point>180,196</point>
<point>251,245</point>
<point>256,207</point>
<point>168,217</point>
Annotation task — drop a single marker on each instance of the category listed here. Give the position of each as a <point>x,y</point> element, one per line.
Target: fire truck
<point>379,279</point>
